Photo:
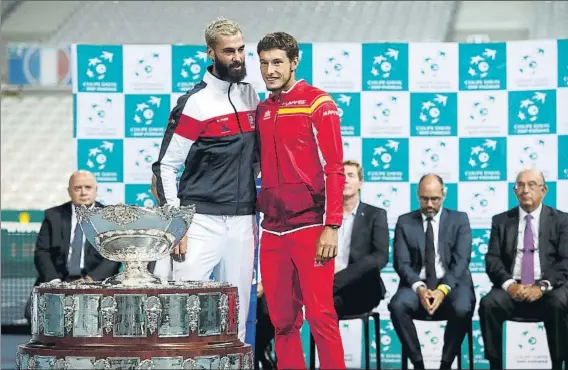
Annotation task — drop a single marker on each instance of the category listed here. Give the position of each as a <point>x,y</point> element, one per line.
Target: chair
<point>522,320</point>
<point>365,318</point>
<point>469,346</point>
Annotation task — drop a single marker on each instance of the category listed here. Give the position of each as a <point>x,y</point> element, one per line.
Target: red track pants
<point>291,280</point>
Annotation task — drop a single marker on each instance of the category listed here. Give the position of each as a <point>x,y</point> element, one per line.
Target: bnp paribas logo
<point>532,112</point>
<point>483,159</point>
<point>483,66</point>
<point>385,66</point>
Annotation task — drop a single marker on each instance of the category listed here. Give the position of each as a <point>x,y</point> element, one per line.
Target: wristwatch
<point>543,288</point>
<point>333,226</point>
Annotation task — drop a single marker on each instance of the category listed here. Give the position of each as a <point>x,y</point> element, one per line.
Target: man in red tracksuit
<point>301,154</point>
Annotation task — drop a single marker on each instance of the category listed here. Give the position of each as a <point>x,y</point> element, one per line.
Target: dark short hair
<point>431,174</point>
<point>281,41</point>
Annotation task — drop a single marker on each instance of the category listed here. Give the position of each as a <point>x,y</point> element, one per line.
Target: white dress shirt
<point>440,270</point>
<point>535,225</point>
<point>344,240</point>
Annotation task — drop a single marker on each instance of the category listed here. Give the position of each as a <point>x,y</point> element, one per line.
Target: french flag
<point>39,65</point>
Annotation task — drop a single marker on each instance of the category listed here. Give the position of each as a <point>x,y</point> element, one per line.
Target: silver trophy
<point>134,236</point>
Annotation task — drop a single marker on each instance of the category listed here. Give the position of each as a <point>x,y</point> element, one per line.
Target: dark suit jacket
<point>52,249</point>
<point>454,247</point>
<point>369,253</point>
<point>552,250</point>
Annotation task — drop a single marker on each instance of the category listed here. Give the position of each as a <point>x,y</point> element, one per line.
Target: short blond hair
<point>355,164</point>
<point>220,26</point>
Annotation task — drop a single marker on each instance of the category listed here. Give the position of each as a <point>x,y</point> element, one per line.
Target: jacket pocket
<point>297,198</point>
<point>285,200</point>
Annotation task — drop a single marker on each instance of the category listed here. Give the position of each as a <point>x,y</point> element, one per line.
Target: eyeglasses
<point>532,185</point>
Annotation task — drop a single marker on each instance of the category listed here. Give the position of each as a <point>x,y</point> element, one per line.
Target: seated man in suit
<point>62,253</point>
<point>363,250</point>
<point>527,262</point>
<point>432,252</point>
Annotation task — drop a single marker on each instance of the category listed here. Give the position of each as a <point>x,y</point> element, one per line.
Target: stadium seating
<point>37,151</point>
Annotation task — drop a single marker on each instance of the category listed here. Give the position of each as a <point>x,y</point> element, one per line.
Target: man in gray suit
<point>432,252</point>
<point>527,263</point>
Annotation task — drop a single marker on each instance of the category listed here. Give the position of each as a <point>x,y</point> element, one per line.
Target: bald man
<point>62,253</point>
<point>432,252</point>
<point>527,263</point>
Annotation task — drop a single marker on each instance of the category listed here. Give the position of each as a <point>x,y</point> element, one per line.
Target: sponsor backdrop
<point>473,113</point>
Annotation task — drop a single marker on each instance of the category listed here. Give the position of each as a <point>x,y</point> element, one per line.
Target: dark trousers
<point>264,335</point>
<point>357,298</point>
<point>457,308</point>
<point>498,306</point>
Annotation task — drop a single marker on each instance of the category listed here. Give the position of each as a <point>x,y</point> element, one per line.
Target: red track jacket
<point>301,155</point>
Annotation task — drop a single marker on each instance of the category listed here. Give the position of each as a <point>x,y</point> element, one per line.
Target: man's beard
<point>227,73</point>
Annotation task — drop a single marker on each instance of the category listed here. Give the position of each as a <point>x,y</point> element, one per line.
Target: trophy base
<point>135,274</point>
<point>185,356</point>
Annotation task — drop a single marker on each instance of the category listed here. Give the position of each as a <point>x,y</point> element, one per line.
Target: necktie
<point>527,265</point>
<point>74,266</point>
<point>430,265</point>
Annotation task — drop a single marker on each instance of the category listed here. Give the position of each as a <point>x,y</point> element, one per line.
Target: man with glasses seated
<point>432,252</point>
<point>527,263</point>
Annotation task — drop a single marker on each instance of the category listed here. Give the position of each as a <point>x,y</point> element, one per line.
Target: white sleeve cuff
<point>416,285</point>
<point>548,285</point>
<point>507,284</point>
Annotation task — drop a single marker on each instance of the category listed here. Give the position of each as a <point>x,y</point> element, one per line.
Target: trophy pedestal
<point>174,325</point>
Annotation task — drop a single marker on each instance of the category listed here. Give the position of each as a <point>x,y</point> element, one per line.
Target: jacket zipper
<point>242,147</point>
<point>275,147</point>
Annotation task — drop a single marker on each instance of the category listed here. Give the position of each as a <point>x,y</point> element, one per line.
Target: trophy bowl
<point>134,236</point>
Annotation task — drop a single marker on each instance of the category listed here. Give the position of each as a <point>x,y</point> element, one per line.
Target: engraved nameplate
<point>35,312</point>
<point>130,318</point>
<point>167,362</point>
<point>209,315</point>
<point>235,361</point>
<point>174,319</point>
<point>233,313</point>
<point>87,320</point>
<point>53,322</point>
<point>80,362</point>
<point>123,363</point>
<point>44,362</point>
<point>207,362</point>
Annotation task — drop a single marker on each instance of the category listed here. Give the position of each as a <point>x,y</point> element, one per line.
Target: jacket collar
<point>211,80</point>
<point>283,95</point>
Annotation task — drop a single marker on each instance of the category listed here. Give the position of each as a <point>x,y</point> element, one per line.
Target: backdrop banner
<point>475,114</point>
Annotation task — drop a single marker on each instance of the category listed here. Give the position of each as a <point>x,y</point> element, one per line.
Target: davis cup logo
<point>97,158</point>
<point>382,64</point>
<point>97,66</point>
<point>480,110</point>
<point>431,155</point>
<point>430,111</point>
<point>431,65</point>
<point>481,154</point>
<point>344,100</point>
<point>480,246</point>
<point>531,153</point>
<point>385,199</point>
<point>528,65</point>
<point>145,66</point>
<point>480,200</point>
<point>529,108</point>
<point>191,67</point>
<point>98,111</point>
<point>144,113</point>
<point>383,109</point>
<point>334,64</point>
<point>145,199</point>
<point>146,155</point>
<point>479,64</point>
<point>382,156</point>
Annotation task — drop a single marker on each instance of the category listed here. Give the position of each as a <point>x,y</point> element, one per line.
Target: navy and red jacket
<point>301,157</point>
<point>212,132</point>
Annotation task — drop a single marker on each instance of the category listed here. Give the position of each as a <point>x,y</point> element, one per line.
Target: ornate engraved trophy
<point>133,320</point>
